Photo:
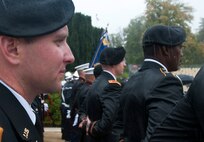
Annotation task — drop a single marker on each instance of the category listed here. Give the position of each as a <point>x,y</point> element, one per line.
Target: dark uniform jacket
<point>82,99</point>
<point>102,107</point>
<point>186,122</point>
<point>16,124</point>
<point>81,105</point>
<point>70,132</point>
<point>75,90</point>
<point>150,95</point>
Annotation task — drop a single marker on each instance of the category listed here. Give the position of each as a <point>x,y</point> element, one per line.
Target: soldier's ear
<point>8,47</point>
<point>165,51</point>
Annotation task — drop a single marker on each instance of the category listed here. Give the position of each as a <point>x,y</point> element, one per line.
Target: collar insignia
<point>163,71</point>
<point>26,133</point>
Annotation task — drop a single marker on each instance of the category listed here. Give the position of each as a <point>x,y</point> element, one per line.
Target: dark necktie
<point>38,125</point>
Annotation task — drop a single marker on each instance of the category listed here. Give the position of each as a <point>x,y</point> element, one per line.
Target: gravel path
<point>52,135</point>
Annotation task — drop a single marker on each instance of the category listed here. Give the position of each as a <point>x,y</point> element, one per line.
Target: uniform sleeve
<point>110,105</point>
<point>82,103</point>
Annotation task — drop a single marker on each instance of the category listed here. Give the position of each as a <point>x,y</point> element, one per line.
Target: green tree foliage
<point>199,55</point>
<point>83,39</point>
<point>133,37</point>
<point>200,34</point>
<point>168,12</point>
<point>53,116</point>
<point>116,39</point>
<point>192,52</point>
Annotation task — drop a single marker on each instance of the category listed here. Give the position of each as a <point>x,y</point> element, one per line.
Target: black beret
<point>27,18</point>
<point>164,35</point>
<point>112,56</point>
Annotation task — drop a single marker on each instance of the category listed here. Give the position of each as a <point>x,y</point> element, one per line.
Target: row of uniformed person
<point>152,101</point>
<point>73,105</point>
<point>151,106</point>
<point>104,105</point>
<point>113,63</point>
<point>69,107</point>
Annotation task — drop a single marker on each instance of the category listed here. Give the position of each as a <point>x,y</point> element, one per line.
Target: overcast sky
<point>118,13</point>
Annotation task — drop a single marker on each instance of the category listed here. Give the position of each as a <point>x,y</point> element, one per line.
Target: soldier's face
<point>120,67</point>
<point>44,61</point>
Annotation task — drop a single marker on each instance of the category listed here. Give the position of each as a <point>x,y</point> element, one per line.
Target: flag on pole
<point>103,43</point>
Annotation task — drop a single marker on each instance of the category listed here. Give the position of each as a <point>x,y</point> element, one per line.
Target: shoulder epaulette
<point>114,82</point>
<point>163,71</point>
<point>1,133</point>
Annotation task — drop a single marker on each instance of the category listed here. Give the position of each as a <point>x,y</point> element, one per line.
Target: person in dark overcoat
<point>81,103</point>
<point>152,92</point>
<point>103,98</point>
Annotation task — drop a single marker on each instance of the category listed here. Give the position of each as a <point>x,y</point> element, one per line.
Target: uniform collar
<point>157,62</point>
<point>110,74</point>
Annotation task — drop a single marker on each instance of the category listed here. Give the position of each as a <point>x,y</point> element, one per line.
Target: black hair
<point>97,70</point>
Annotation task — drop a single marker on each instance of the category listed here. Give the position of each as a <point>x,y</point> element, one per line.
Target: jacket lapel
<point>17,115</point>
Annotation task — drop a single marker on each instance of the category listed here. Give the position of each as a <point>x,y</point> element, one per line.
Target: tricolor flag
<point>103,43</point>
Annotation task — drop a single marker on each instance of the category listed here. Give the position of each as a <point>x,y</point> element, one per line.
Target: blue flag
<point>103,43</point>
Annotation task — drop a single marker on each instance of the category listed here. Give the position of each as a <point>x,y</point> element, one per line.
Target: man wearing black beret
<point>152,92</point>
<point>103,98</point>
<point>185,123</point>
<point>33,59</point>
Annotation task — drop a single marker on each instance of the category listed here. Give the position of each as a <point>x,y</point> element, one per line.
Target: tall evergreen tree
<point>83,39</point>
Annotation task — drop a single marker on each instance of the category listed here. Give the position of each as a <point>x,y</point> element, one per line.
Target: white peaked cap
<point>75,74</point>
<point>68,75</point>
<point>89,71</point>
<point>82,66</point>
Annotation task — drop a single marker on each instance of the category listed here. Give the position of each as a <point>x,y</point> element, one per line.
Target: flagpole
<point>103,43</point>
<point>91,65</point>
